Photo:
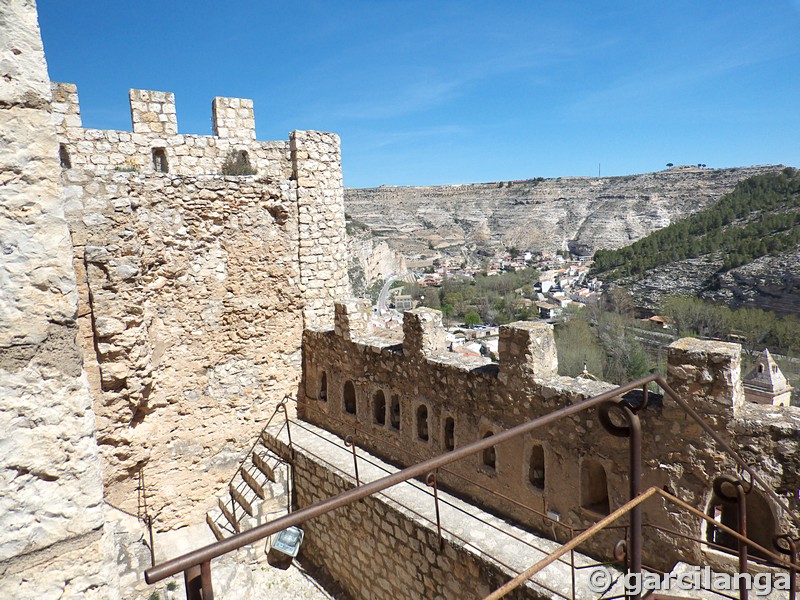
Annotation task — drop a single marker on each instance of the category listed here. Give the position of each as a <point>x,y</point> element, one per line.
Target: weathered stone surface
<point>412,405</point>
<point>51,503</point>
<point>580,213</point>
<point>194,290</point>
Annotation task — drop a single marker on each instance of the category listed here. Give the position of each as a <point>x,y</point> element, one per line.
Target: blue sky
<point>427,92</point>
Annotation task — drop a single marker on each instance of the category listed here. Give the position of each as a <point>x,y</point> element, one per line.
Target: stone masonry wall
<point>191,313</point>
<point>379,550</point>
<point>155,126</point>
<point>51,499</point>
<point>444,401</point>
<point>194,287</point>
<point>316,166</point>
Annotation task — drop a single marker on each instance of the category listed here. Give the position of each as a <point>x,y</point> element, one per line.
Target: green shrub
<point>237,163</point>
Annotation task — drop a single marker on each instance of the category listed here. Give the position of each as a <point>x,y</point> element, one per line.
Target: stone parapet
<point>317,171</point>
<point>708,375</point>
<point>423,334</point>
<point>233,118</point>
<point>154,144</point>
<point>414,401</point>
<point>153,112</point>
<point>527,350</point>
<point>351,318</point>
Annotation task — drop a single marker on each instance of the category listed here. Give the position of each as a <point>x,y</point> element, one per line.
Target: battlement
<point>408,399</point>
<point>153,112</point>
<point>153,145</point>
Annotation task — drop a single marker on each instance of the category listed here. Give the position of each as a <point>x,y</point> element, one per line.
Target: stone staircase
<point>258,493</point>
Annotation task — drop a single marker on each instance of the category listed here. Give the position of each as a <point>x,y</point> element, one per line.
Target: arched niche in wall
<point>760,522</point>
<point>349,398</point>
<point>394,413</point>
<point>594,487</point>
<point>536,467</point>
<point>489,455</point>
<point>422,423</point>
<point>449,434</point>
<point>160,160</point>
<point>63,155</point>
<point>379,408</point>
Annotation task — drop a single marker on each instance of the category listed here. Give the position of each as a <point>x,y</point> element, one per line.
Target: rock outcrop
<point>769,282</point>
<point>51,502</point>
<point>578,213</point>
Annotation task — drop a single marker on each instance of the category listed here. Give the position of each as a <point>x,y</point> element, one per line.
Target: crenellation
<point>527,350</point>
<point>423,334</point>
<point>413,404</point>
<point>153,112</point>
<point>233,118</point>
<point>709,373</point>
<point>352,318</point>
<point>155,126</point>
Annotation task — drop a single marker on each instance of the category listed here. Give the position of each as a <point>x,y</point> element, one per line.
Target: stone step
<point>239,496</point>
<point>262,465</point>
<point>216,529</point>
<point>283,452</point>
<point>253,482</point>
<point>228,515</point>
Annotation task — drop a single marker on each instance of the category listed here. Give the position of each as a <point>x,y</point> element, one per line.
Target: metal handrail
<point>199,560</point>
<point>207,553</point>
<point>605,521</point>
<point>733,454</point>
<point>423,488</point>
<point>280,406</point>
<point>551,521</point>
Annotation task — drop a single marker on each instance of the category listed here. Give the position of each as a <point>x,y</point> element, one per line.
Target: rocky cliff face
<point>770,283</point>
<point>578,213</point>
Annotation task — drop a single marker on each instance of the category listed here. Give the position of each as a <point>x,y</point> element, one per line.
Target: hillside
<point>744,249</point>
<point>579,213</point>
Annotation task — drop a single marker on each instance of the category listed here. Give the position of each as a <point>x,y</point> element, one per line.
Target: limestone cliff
<point>579,213</point>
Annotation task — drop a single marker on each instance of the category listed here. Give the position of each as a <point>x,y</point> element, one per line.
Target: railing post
<point>152,542</point>
<point>786,544</point>
<point>348,441</point>
<point>633,431</point>
<point>740,499</point>
<point>431,481</point>
<point>205,580</point>
<point>282,405</point>
<point>572,570</point>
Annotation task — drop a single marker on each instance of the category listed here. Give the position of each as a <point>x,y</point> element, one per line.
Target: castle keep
<point>155,309</point>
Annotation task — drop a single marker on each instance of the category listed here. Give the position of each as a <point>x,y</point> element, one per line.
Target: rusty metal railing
<point>196,565</point>
<point>628,507</point>
<point>281,406</point>
<point>430,482</point>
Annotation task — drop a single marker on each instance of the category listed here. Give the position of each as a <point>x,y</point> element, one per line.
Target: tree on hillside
<point>472,319</point>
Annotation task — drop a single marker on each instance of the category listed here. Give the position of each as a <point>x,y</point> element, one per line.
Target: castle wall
<point>194,287</point>
<point>51,501</point>
<point>192,313</point>
<point>432,386</point>
<point>155,126</point>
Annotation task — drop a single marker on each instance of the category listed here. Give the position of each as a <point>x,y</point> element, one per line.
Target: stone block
<point>351,318</point>
<point>423,334</point>
<point>527,350</point>
<point>707,374</point>
<point>153,112</point>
